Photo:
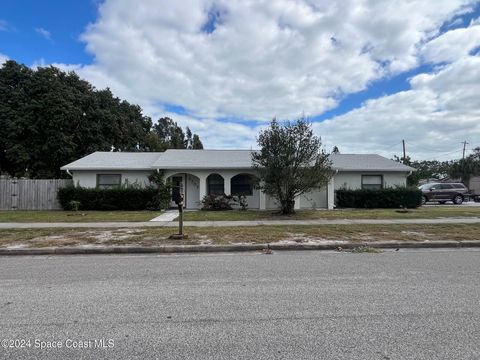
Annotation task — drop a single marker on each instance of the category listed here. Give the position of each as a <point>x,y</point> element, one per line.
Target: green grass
<point>76,216</point>
<point>254,234</point>
<point>420,213</point>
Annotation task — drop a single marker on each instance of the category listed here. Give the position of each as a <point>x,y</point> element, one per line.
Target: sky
<point>367,73</point>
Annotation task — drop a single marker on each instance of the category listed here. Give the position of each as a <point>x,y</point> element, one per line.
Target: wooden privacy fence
<point>20,194</point>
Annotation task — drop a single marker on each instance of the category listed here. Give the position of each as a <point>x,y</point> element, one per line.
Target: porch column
<point>331,194</point>
<point>263,200</point>
<point>202,186</point>
<point>297,203</point>
<point>227,184</point>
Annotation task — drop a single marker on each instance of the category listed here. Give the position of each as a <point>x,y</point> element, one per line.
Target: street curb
<point>172,249</point>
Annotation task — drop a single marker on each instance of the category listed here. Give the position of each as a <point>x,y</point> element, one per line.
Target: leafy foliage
<point>466,168</point>
<point>49,118</point>
<point>166,134</point>
<point>161,199</point>
<point>217,202</point>
<point>462,169</point>
<point>290,162</point>
<point>107,199</point>
<point>409,197</point>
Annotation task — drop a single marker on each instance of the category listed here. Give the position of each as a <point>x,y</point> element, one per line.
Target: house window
<point>372,182</point>
<point>215,184</point>
<point>108,181</point>
<point>242,184</point>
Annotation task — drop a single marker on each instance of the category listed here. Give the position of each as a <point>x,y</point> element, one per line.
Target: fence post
<point>14,187</point>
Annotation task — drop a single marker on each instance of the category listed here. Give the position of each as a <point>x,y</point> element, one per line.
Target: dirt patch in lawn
<point>245,235</point>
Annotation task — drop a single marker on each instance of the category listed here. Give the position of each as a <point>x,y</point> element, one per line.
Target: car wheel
<point>424,200</point>
<point>442,202</point>
<point>458,199</point>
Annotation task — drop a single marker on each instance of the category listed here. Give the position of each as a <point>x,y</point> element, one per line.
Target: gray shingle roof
<point>114,161</point>
<point>204,159</point>
<point>366,162</point>
<point>216,159</point>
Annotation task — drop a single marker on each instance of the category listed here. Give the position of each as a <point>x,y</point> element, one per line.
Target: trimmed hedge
<point>108,199</point>
<point>383,198</point>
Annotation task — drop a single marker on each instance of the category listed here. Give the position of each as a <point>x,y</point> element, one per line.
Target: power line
<point>421,147</point>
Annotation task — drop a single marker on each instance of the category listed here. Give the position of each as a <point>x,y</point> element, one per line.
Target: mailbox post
<point>177,197</point>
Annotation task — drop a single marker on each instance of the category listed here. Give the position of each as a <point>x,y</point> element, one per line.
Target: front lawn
<point>157,236</point>
<point>420,213</point>
<point>76,216</point>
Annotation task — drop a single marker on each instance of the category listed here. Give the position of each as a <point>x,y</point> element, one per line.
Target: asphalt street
<point>289,305</point>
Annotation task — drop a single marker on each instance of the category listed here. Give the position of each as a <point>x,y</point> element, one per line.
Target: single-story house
<point>202,172</point>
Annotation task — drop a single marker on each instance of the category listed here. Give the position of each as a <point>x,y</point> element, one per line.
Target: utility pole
<point>464,146</point>
<point>404,153</point>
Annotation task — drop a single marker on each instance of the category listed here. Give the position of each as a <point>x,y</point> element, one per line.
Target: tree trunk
<point>288,207</point>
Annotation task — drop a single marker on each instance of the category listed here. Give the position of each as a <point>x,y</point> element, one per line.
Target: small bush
<point>162,198</point>
<point>382,198</point>
<point>217,202</point>
<point>74,205</point>
<point>242,201</point>
<point>108,199</point>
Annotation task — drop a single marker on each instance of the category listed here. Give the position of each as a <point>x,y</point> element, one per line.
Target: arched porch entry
<point>189,186</point>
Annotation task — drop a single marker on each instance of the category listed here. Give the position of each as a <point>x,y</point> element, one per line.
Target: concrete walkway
<point>168,215</point>
<point>473,220</point>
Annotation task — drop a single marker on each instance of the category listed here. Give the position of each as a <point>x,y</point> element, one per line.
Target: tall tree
<point>171,136</point>
<point>196,143</point>
<point>290,162</point>
<point>465,169</point>
<point>189,139</point>
<point>49,118</point>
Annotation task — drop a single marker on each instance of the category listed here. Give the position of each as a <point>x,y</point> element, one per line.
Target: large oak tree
<point>49,118</point>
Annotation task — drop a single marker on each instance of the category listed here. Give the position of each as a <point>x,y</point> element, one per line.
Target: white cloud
<point>44,33</point>
<point>216,134</point>
<point>452,45</point>
<point>3,58</point>
<point>282,57</point>
<point>264,59</point>
<point>440,111</point>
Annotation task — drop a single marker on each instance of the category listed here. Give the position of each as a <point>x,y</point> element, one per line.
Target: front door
<point>177,183</point>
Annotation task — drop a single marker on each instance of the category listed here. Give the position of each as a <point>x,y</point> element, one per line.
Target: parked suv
<point>443,192</point>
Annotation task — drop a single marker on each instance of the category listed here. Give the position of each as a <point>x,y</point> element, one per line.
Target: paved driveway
<point>296,305</point>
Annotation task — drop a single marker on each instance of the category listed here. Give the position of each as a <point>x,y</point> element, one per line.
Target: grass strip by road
<point>431,212</point>
<point>38,238</point>
<point>76,216</point>
<point>49,216</point>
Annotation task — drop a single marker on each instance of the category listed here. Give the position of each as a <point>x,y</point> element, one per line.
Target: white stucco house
<point>202,172</point>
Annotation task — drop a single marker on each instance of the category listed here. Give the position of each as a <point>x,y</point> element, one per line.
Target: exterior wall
<point>474,185</point>
<point>88,179</point>
<point>353,180</point>
<point>316,199</point>
<point>195,185</point>
<point>271,203</point>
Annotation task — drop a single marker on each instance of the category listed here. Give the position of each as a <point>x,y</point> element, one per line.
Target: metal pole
<point>464,146</point>
<point>180,221</point>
